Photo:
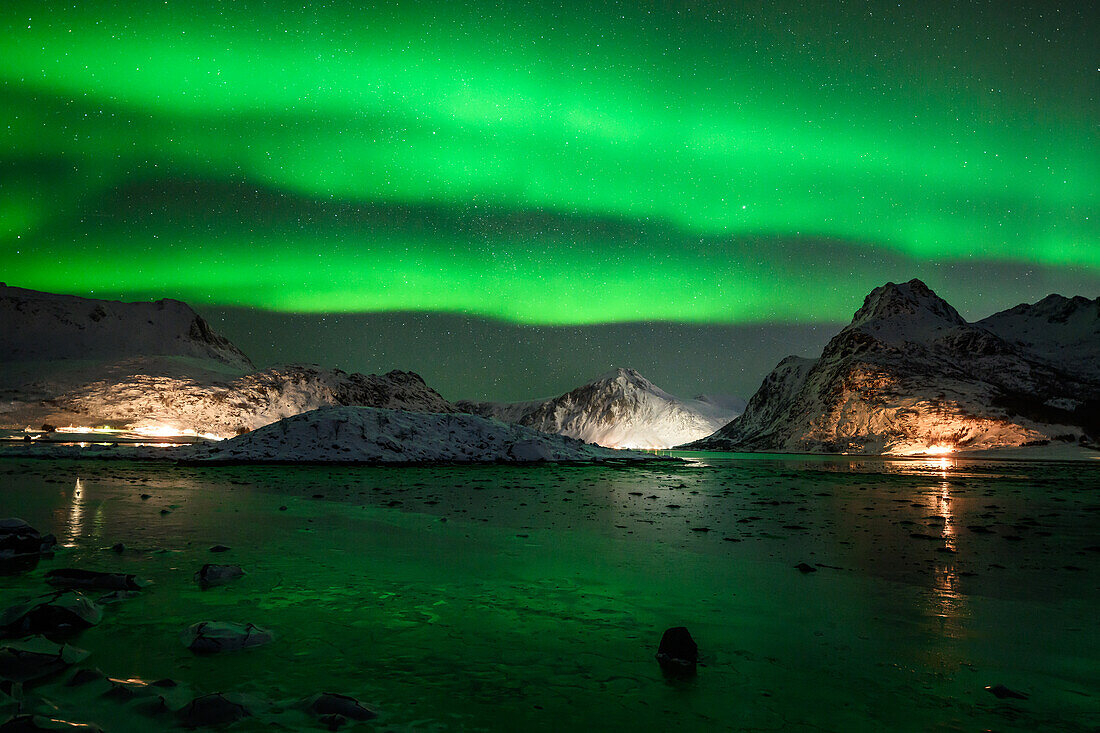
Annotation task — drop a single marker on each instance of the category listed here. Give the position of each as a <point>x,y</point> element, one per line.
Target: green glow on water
<point>527,611</point>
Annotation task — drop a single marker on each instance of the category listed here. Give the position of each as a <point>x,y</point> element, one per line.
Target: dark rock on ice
<point>1001,692</point>
<point>85,676</point>
<point>60,612</point>
<point>210,574</point>
<point>30,659</point>
<point>76,578</point>
<point>210,637</point>
<point>979,529</point>
<point>343,706</point>
<point>333,721</point>
<point>215,709</point>
<point>678,652</point>
<point>804,568</point>
<point>17,538</point>
<point>219,548</point>
<point>117,595</point>
<point>30,723</point>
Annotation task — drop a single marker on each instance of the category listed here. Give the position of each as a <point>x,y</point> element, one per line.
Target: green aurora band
<point>541,164</point>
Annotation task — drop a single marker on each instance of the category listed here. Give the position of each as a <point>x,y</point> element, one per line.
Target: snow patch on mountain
<point>373,435</point>
<point>621,409</point>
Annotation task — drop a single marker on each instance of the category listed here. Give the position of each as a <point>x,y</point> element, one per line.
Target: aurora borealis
<point>550,163</point>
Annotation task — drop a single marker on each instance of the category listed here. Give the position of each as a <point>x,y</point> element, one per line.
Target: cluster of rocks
<point>34,647</point>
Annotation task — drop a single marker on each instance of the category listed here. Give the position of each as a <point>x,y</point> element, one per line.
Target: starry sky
<point>432,185</point>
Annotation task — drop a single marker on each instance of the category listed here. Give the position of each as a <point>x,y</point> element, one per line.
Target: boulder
<point>117,595</point>
<point>211,637</point>
<point>17,539</point>
<point>678,652</point>
<point>76,578</point>
<point>64,612</point>
<point>30,723</point>
<point>333,704</point>
<point>214,709</point>
<point>30,659</point>
<point>211,575</point>
<point>1001,692</point>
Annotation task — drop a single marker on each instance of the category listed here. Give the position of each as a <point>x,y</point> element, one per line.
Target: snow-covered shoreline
<point>360,436</point>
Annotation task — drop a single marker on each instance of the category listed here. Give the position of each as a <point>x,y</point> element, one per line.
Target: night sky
<point>511,197</point>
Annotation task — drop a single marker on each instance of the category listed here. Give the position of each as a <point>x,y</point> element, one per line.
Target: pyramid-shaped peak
<point>622,373</point>
<point>910,301</point>
<point>627,379</point>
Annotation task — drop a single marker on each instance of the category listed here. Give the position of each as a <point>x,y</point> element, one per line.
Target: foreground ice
<point>535,597</point>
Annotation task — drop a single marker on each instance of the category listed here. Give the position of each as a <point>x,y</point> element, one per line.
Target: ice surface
<point>541,601</point>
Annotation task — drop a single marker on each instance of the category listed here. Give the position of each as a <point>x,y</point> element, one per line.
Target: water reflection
<point>76,515</point>
<point>947,601</point>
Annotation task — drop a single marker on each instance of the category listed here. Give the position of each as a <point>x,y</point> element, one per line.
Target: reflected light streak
<point>76,514</point>
<point>948,602</point>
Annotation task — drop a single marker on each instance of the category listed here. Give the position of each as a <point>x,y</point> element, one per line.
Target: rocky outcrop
<point>909,375</point>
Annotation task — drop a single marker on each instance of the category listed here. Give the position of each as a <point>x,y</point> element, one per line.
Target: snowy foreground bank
<point>366,435</point>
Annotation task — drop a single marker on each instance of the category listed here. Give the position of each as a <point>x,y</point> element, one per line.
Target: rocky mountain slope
<point>909,375</point>
<point>78,361</point>
<point>621,409</point>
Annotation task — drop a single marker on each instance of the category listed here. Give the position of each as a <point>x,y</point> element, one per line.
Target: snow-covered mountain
<point>372,435</point>
<point>621,409</point>
<point>909,374</point>
<point>42,327</point>
<point>78,361</point>
<point>1062,331</point>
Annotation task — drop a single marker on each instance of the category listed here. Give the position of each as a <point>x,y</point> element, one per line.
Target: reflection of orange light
<point>145,431</point>
<point>939,449</point>
<point>88,430</point>
<point>166,431</point>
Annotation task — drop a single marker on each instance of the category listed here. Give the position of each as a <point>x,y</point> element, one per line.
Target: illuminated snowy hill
<point>909,375</point>
<point>371,435</point>
<point>85,362</point>
<point>621,409</point>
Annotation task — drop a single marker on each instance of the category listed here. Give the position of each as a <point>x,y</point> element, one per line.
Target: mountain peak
<point>912,302</point>
<point>625,375</point>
